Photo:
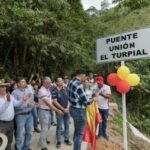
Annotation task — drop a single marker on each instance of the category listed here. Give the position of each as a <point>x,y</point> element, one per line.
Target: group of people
<point>23,104</point>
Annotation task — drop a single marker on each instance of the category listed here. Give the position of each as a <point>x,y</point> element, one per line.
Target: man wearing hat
<point>103,93</point>
<point>7,104</point>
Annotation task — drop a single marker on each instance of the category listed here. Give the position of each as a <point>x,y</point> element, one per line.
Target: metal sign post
<point>124,115</point>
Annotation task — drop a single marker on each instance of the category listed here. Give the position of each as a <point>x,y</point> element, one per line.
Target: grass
<point>117,119</point>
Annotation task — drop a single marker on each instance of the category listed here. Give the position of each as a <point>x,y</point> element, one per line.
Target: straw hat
<point>3,84</point>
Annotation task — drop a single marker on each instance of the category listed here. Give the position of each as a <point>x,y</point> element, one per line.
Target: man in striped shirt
<point>78,103</point>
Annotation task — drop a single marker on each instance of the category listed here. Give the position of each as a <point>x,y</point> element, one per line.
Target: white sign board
<point>124,46</point>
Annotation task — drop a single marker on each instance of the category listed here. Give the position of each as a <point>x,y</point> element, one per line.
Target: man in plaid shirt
<point>78,103</point>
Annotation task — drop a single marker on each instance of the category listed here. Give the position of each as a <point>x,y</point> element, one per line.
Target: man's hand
<point>8,97</point>
<point>36,105</point>
<point>95,99</point>
<point>66,110</point>
<point>30,105</point>
<point>101,94</point>
<point>26,96</point>
<point>60,112</point>
<point>106,96</point>
<point>94,93</point>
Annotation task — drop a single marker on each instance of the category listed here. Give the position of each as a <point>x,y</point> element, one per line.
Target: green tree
<point>44,36</point>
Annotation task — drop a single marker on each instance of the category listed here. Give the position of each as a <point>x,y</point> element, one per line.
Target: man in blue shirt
<point>23,116</point>
<point>78,103</point>
<point>60,100</point>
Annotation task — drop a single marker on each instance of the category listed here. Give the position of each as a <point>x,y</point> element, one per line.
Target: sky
<point>95,3</point>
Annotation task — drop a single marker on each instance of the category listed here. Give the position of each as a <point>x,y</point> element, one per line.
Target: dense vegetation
<point>44,36</point>
<point>52,37</point>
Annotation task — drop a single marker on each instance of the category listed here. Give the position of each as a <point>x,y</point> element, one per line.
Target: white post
<point>124,113</point>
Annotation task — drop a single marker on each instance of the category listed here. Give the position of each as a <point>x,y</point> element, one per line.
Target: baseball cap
<point>99,79</point>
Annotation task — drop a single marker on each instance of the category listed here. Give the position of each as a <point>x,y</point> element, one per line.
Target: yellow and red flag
<point>93,119</point>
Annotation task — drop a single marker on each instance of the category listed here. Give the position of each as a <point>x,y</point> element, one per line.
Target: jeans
<point>23,121</point>
<point>79,117</point>
<point>102,126</point>
<point>45,122</point>
<point>35,117</point>
<point>53,116</point>
<point>7,129</point>
<point>60,119</point>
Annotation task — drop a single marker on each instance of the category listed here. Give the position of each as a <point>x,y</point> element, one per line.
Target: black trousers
<point>7,128</point>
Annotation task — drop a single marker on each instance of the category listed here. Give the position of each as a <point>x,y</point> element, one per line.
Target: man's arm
<point>23,102</point>
<point>107,96</point>
<point>68,106</point>
<point>60,107</point>
<point>56,103</point>
<point>47,102</point>
<point>82,96</point>
<point>3,107</point>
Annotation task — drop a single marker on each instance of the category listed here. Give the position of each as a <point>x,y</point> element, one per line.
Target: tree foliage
<point>136,4</point>
<point>44,36</point>
<point>133,4</point>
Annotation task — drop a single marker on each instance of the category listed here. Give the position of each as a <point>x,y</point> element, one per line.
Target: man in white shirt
<point>103,93</point>
<point>7,104</point>
<point>45,105</point>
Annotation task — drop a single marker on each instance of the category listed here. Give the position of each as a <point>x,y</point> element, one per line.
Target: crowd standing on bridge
<point>36,105</point>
